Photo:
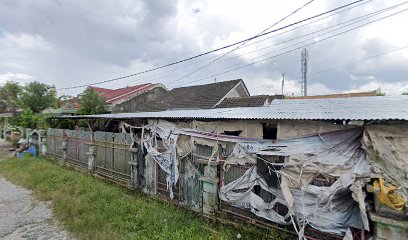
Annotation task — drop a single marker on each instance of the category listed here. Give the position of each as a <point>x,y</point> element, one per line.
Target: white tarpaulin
<point>337,155</point>
<point>327,208</point>
<point>387,147</point>
<point>166,160</point>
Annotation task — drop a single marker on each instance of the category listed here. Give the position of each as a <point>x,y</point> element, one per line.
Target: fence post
<point>210,188</point>
<point>42,142</point>
<point>133,166</point>
<point>64,148</point>
<point>91,154</point>
<point>91,158</point>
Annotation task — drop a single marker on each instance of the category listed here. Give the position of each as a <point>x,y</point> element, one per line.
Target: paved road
<point>22,216</point>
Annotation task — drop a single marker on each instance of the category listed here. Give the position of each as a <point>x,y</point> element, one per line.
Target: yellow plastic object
<point>387,195</point>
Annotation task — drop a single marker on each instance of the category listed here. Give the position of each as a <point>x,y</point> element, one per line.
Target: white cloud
<point>71,43</point>
<point>388,88</point>
<point>24,41</point>
<point>18,77</point>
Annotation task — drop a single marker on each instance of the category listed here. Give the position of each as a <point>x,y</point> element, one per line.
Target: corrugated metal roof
<point>361,108</point>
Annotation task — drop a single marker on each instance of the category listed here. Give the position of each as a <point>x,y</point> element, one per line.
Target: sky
<point>79,42</point>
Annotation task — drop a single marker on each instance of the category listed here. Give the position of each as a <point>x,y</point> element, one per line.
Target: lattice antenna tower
<point>304,59</point>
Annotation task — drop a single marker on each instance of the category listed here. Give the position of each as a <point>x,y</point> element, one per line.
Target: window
<point>232,133</point>
<point>270,131</point>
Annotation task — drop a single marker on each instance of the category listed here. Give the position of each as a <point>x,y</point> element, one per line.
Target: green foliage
<point>92,103</point>
<point>38,96</point>
<point>29,119</point>
<point>404,93</point>
<point>93,209</point>
<point>60,123</point>
<point>10,94</point>
<point>379,92</point>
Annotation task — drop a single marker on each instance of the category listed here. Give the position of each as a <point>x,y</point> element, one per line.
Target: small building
<point>147,91</point>
<point>192,97</point>
<point>326,165</point>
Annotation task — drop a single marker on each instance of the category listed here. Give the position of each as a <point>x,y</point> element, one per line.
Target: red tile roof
<point>115,95</point>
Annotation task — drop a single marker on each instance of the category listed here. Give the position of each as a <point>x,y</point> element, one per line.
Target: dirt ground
<point>22,216</point>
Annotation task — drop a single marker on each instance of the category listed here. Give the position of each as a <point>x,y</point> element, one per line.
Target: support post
<point>91,158</point>
<point>64,147</point>
<point>210,188</point>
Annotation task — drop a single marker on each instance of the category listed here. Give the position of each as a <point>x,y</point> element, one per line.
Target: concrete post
<point>64,149</point>
<point>91,158</point>
<point>42,145</point>
<point>210,189</point>
<point>133,166</point>
<point>27,133</point>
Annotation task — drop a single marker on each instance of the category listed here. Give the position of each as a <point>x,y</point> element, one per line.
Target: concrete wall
<point>291,129</point>
<point>248,128</point>
<point>131,105</point>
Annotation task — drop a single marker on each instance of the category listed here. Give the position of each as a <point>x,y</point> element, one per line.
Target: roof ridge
<point>228,81</point>
<point>140,85</point>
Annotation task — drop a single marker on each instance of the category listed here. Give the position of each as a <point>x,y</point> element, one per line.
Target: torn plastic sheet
<point>239,156</point>
<point>332,153</point>
<point>387,147</point>
<point>333,216</point>
<point>336,154</point>
<point>239,193</point>
<point>167,160</point>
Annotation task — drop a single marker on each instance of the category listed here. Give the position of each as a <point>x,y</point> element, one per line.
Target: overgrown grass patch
<point>93,209</point>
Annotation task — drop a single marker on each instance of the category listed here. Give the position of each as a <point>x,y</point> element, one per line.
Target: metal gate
<point>113,155</point>
<point>54,142</point>
<point>77,147</point>
<point>161,185</point>
<point>191,189</point>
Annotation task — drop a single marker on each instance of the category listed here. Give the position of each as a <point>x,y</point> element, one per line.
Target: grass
<point>93,209</point>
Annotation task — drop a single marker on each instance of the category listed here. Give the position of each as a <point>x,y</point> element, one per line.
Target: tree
<point>404,93</point>
<point>379,92</point>
<point>38,96</point>
<point>91,103</point>
<point>10,96</point>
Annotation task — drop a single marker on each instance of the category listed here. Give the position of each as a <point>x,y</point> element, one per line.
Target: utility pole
<point>283,82</point>
<point>304,59</point>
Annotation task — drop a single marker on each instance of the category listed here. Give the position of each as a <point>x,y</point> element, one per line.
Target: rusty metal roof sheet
<point>358,108</point>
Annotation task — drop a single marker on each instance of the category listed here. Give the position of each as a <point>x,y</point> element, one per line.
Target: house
<point>320,160</point>
<point>113,97</point>
<point>192,97</point>
<point>143,92</point>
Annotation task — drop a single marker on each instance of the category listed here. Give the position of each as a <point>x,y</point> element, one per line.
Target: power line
<point>280,54</point>
<point>350,22</point>
<point>312,38</point>
<point>356,61</point>
<point>164,74</point>
<point>351,63</point>
<point>218,49</point>
<point>269,37</point>
<point>225,54</point>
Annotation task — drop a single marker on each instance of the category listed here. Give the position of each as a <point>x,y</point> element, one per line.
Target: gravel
<point>24,217</point>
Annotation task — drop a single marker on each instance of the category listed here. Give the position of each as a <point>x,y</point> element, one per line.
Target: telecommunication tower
<point>304,59</point>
